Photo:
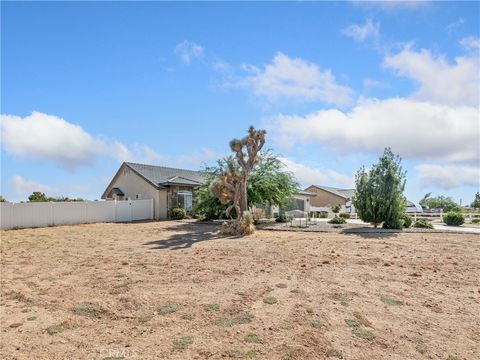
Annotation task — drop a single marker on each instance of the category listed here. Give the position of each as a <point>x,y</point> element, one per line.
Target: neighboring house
<point>326,196</point>
<point>301,202</point>
<point>168,187</point>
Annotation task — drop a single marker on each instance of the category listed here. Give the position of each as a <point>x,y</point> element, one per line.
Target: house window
<point>185,200</point>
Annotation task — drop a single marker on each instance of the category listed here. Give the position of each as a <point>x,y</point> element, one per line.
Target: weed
<point>89,309</point>
<point>270,300</point>
<point>167,309</point>
<point>363,333</point>
<point>253,338</point>
<point>230,321</point>
<point>451,357</point>
<point>55,329</point>
<point>421,350</point>
<point>188,317</point>
<point>211,307</point>
<point>391,301</point>
<point>352,323</point>
<point>317,324</point>
<point>31,318</point>
<point>295,291</point>
<point>286,326</point>
<point>334,353</point>
<point>143,318</point>
<point>183,342</point>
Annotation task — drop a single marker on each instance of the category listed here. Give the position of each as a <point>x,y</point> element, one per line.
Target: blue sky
<point>86,85</point>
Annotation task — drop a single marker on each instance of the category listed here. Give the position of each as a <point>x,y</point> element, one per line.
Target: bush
<point>407,220</point>
<point>423,224</point>
<point>453,218</point>
<point>475,221</point>
<point>345,215</point>
<point>323,214</point>
<point>281,218</point>
<point>336,208</point>
<point>178,214</point>
<point>338,220</point>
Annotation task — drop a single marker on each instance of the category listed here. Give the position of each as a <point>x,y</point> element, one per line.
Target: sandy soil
<point>174,290</point>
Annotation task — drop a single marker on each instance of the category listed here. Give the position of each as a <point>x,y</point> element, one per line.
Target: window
<point>185,200</point>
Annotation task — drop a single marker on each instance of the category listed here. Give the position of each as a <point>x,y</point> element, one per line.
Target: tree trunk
<point>243,196</point>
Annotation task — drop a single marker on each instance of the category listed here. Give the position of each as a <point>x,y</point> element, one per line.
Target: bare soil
<point>177,290</point>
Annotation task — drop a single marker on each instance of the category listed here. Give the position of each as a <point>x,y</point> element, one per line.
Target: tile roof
<point>162,176</point>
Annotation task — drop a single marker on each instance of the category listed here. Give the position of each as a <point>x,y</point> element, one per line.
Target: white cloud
<point>413,129</point>
<point>372,83</point>
<point>440,81</point>
<point>316,176</point>
<point>188,50</point>
<point>453,26</point>
<point>361,33</point>
<point>391,5</point>
<point>42,136</point>
<point>295,78</point>
<point>24,187</point>
<point>448,177</point>
<point>471,42</point>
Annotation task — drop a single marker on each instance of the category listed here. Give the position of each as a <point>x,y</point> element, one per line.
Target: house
<point>168,187</point>
<point>326,196</point>
<point>301,201</point>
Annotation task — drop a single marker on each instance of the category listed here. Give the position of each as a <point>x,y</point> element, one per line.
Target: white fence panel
<point>101,211</point>
<point>123,211</point>
<point>142,209</point>
<point>39,214</point>
<point>67,213</point>
<point>6,215</point>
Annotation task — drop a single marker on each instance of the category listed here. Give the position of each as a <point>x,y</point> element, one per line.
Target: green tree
<point>38,196</point>
<point>476,203</point>
<point>440,202</point>
<point>2,199</point>
<point>379,192</point>
<point>269,183</point>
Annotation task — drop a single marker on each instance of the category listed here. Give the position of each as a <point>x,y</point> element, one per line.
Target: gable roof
<point>344,193</point>
<point>161,176</point>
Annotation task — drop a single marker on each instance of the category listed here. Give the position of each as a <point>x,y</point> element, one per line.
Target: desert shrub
<point>475,221</point>
<point>337,220</point>
<point>323,214</point>
<point>423,224</point>
<point>281,218</point>
<point>345,215</point>
<point>453,218</point>
<point>407,220</point>
<point>336,208</point>
<point>243,226</point>
<point>178,214</point>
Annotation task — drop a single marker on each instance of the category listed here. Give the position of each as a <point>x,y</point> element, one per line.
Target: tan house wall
<point>325,198</point>
<point>132,184</point>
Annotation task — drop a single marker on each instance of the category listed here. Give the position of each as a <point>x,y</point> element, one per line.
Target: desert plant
<point>281,218</point>
<point>243,226</point>
<point>345,215</point>
<point>337,220</point>
<point>379,192</point>
<point>423,224</point>
<point>336,208</point>
<point>323,214</point>
<point>453,218</point>
<point>407,220</point>
<point>178,214</point>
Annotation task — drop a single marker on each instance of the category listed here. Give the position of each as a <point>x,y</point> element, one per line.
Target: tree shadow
<point>371,233</point>
<point>186,235</point>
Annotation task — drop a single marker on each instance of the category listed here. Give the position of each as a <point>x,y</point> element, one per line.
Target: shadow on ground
<point>186,235</point>
<point>370,232</point>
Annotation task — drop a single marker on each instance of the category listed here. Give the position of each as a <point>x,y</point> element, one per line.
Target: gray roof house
<point>168,187</point>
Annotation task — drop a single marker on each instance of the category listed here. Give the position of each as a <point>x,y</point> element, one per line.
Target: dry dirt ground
<point>176,290</point>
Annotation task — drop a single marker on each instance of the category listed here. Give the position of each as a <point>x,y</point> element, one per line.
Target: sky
<point>87,85</point>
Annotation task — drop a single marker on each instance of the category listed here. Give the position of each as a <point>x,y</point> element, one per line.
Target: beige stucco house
<point>168,187</point>
<point>326,196</point>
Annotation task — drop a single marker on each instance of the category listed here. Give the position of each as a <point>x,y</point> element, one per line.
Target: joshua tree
<point>232,184</point>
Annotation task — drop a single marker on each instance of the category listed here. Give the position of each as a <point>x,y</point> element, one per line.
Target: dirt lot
<point>175,290</point>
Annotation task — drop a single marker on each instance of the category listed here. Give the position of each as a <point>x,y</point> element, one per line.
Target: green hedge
<point>453,218</point>
<point>178,214</point>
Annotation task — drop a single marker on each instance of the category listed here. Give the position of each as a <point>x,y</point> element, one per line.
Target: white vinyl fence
<point>40,214</point>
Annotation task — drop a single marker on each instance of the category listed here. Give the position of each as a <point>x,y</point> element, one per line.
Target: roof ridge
<point>160,166</point>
